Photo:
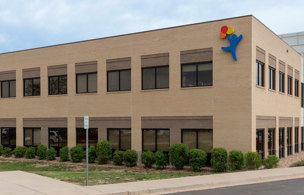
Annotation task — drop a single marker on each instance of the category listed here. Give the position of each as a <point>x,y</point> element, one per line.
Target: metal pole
<point>87,157</point>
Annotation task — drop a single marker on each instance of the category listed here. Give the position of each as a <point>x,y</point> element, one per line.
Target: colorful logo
<point>232,38</point>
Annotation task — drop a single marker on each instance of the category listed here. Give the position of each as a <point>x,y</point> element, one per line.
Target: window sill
<point>289,95</point>
<point>152,90</point>
<point>8,98</point>
<point>117,92</point>
<point>260,87</point>
<point>282,93</point>
<point>58,95</point>
<point>81,94</point>
<point>272,90</point>
<point>33,96</point>
<point>198,87</point>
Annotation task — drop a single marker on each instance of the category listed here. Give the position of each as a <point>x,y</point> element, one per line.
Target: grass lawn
<point>98,174</point>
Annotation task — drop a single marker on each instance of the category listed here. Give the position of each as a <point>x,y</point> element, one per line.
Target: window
<point>156,140</point>
<point>119,80</point>
<point>289,85</point>
<point>282,82</point>
<point>8,137</point>
<point>86,83</point>
<point>58,85</point>
<point>272,79</point>
<point>57,138</point>
<point>198,138</point>
<point>260,73</point>
<point>194,75</point>
<point>155,77</point>
<point>271,141</point>
<point>31,87</point>
<point>281,142</point>
<point>302,138</point>
<point>260,142</point>
<point>81,136</point>
<point>289,141</point>
<point>120,139</point>
<point>296,139</point>
<point>296,87</point>
<point>8,89</point>
<point>32,136</point>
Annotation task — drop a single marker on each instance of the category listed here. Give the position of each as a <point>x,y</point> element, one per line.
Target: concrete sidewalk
<point>18,182</point>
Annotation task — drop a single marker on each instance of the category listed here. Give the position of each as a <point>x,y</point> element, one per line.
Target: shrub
<point>118,157</point>
<point>272,161</point>
<point>41,152</point>
<point>92,154</point>
<point>148,159</point>
<point>219,159</point>
<point>1,149</point>
<point>7,152</point>
<point>30,153</point>
<point>103,152</point>
<point>161,161</point>
<point>253,160</point>
<point>77,153</point>
<point>19,151</point>
<point>64,154</point>
<point>130,158</point>
<point>297,164</point>
<point>51,154</point>
<point>236,160</point>
<point>179,154</point>
<point>197,159</point>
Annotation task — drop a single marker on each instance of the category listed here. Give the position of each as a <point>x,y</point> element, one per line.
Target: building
<point>148,90</point>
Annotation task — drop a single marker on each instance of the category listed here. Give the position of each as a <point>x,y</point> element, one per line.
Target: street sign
<point>86,127</point>
<point>86,122</point>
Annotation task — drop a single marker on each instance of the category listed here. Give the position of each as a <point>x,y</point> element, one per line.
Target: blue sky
<point>35,23</point>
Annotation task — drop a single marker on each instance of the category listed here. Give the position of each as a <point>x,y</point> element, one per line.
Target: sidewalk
<point>18,182</point>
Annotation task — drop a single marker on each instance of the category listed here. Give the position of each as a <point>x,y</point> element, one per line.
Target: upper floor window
<point>155,77</point>
<point>8,88</point>
<point>86,83</point>
<point>297,87</point>
<point>260,73</point>
<point>57,85</point>
<point>199,74</point>
<point>272,78</point>
<point>281,82</point>
<point>119,80</point>
<point>31,87</point>
<point>289,85</point>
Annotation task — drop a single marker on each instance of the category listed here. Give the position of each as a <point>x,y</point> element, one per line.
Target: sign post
<point>86,127</point>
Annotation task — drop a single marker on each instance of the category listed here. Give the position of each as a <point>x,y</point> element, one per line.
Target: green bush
<point>51,154</point>
<point>219,158</point>
<point>19,151</point>
<point>77,153</point>
<point>197,159</point>
<point>179,154</point>
<point>118,157</point>
<point>253,160</point>
<point>148,159</point>
<point>103,152</point>
<point>272,161</point>
<point>236,160</point>
<point>130,158</point>
<point>1,149</point>
<point>297,164</point>
<point>92,154</point>
<point>41,152</point>
<point>7,152</point>
<point>161,161</point>
<point>30,153</point>
<point>64,154</point>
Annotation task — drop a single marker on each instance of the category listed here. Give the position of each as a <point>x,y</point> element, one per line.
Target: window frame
<point>90,143</point>
<point>272,78</point>
<point>281,82</point>
<point>259,77</point>
<point>155,77</point>
<point>302,138</point>
<point>58,76</point>
<point>296,139</point>
<point>272,150</point>
<point>32,79</point>
<point>119,88</point>
<point>87,82</point>
<point>289,141</point>
<point>57,147</point>
<point>196,82</point>
<point>9,88</point>
<point>282,142</point>
<point>119,136</point>
<point>296,88</point>
<point>32,129</point>
<point>289,85</point>
<point>262,151</point>
<point>9,135</point>
<point>155,138</point>
<point>196,134</point>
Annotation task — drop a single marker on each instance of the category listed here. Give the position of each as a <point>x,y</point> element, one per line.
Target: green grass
<point>98,174</point>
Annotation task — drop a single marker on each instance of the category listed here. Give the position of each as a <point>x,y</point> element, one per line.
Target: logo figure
<point>232,38</point>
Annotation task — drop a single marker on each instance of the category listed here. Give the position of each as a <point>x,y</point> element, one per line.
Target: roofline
<point>134,33</point>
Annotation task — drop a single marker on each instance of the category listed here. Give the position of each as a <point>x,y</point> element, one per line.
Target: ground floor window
<point>302,138</point>
<point>281,142</point>
<point>296,139</point>
<point>271,141</point>
<point>260,142</point>
<point>32,136</point>
<point>198,138</point>
<point>156,140</point>
<point>81,136</point>
<point>58,138</point>
<point>120,139</point>
<point>289,140</point>
<point>8,137</point>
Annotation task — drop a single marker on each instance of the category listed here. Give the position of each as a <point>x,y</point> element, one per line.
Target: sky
<point>28,24</point>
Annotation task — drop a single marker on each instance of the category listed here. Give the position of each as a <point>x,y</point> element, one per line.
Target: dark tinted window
<point>289,85</point>
<point>198,138</point>
<point>81,136</point>
<point>282,82</point>
<point>272,78</point>
<point>8,88</point>
<point>120,139</point>
<point>58,138</point>
<point>296,87</point>
<point>119,80</point>
<point>57,85</point>
<point>260,73</point>
<point>86,83</point>
<point>156,140</point>
<point>198,74</point>
<point>32,87</point>
<point>148,78</point>
<point>155,77</point>
<point>32,136</point>
<point>8,137</point>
